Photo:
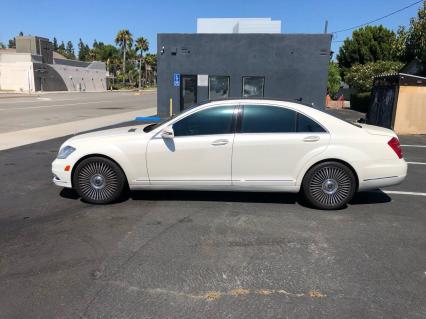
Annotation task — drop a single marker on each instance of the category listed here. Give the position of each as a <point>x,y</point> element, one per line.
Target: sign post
<point>176,79</point>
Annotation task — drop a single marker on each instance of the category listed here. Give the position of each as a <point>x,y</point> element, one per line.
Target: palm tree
<point>124,39</point>
<point>142,45</point>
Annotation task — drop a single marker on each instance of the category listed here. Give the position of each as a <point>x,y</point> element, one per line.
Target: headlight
<point>64,152</point>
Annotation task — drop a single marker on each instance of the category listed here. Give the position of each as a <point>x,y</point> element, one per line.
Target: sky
<point>101,19</point>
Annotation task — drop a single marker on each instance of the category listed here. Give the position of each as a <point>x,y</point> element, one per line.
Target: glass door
<point>188,91</point>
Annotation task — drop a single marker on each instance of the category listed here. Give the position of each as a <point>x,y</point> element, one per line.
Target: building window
<point>253,86</point>
<point>218,87</point>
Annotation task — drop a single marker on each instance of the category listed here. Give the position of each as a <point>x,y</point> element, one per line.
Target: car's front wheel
<point>99,180</point>
<point>329,185</point>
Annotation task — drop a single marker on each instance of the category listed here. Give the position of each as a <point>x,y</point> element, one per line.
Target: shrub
<point>361,76</point>
<point>334,79</point>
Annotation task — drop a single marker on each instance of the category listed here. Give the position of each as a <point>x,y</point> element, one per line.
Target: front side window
<point>253,86</point>
<point>268,119</point>
<point>218,87</point>
<point>216,120</point>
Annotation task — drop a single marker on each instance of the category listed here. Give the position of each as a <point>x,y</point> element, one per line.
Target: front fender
<point>129,155</point>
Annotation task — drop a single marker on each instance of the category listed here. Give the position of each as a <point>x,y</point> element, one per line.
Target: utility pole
<point>326,26</point>
<point>140,72</point>
<point>124,62</point>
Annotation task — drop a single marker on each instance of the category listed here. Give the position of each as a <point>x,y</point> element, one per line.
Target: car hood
<point>111,133</point>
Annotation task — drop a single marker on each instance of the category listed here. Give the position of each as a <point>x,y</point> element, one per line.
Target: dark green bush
<point>360,101</point>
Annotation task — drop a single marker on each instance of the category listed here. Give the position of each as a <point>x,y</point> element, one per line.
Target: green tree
<point>61,49</point>
<point>142,45</point>
<point>334,79</point>
<point>416,38</point>
<point>12,43</point>
<point>400,45</point>
<point>83,51</point>
<point>360,76</point>
<point>151,59</point>
<point>368,44</point>
<point>124,39</point>
<point>2,46</point>
<point>69,50</point>
<point>55,44</point>
<point>102,52</point>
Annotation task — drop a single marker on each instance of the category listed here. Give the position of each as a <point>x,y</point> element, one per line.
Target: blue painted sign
<point>176,79</point>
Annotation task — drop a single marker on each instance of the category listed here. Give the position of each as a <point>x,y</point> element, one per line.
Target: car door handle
<point>220,142</point>
<point>311,139</point>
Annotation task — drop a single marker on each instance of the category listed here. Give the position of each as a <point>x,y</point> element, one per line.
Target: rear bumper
<point>383,174</point>
<point>60,176</point>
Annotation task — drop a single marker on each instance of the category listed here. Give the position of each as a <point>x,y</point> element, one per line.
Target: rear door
<point>272,144</point>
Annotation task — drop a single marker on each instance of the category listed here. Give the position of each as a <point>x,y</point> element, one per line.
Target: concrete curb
<point>17,96</point>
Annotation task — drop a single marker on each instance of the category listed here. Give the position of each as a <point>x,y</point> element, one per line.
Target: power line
<point>378,19</point>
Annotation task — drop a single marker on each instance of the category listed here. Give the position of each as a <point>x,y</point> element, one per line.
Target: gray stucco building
<point>193,68</point>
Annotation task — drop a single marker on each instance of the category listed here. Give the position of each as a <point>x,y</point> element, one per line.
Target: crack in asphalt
<point>215,295</point>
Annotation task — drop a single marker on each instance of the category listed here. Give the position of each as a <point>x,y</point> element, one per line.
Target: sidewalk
<point>8,95</point>
<point>33,135</point>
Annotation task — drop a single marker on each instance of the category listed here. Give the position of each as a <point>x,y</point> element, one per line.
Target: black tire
<point>329,185</point>
<point>99,180</point>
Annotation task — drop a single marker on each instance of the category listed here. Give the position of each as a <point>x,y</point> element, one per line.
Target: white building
<point>238,25</point>
<point>33,66</point>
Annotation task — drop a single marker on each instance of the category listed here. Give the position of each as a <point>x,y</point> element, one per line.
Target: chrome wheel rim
<point>330,185</point>
<point>98,181</point>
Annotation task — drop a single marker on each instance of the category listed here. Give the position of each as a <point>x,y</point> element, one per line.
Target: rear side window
<point>216,120</point>
<point>306,125</point>
<point>268,119</point>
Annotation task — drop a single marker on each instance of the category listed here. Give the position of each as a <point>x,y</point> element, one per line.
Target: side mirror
<point>168,133</point>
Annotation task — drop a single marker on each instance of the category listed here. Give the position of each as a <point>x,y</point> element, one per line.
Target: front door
<point>188,91</point>
<point>200,152</point>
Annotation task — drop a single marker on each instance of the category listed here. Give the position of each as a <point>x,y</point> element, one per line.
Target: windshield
<point>153,126</point>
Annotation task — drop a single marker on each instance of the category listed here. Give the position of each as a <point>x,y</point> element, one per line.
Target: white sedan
<point>239,145</point>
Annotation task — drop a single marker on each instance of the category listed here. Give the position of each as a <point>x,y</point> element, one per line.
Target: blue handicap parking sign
<point>176,79</point>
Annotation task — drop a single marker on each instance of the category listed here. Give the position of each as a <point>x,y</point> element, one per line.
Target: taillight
<point>394,144</point>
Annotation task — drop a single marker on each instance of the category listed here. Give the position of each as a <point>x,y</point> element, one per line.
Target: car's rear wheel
<point>329,185</point>
<point>99,180</point>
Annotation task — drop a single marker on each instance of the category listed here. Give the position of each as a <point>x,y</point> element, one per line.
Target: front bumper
<point>60,176</point>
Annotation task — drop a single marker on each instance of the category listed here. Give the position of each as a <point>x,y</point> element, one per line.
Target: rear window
<point>268,119</point>
<point>307,125</point>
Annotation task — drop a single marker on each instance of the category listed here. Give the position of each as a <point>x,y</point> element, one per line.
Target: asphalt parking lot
<point>46,109</point>
<point>208,254</point>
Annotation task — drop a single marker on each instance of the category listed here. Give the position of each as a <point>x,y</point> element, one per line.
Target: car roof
<point>296,106</point>
<point>253,100</point>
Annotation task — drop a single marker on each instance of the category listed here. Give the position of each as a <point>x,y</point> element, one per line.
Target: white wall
<point>17,76</point>
<point>82,79</point>
<point>238,25</point>
<point>15,57</point>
